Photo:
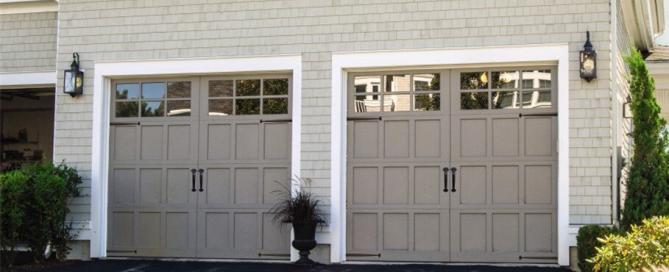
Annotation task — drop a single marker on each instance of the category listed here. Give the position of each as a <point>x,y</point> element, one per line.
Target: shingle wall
<point>28,42</point>
<point>110,31</point>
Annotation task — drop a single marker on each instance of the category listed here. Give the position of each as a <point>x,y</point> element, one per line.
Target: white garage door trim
<point>485,56</point>
<point>23,80</point>
<point>105,72</point>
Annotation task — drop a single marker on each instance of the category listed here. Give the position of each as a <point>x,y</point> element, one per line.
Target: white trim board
<point>342,63</point>
<point>27,6</point>
<point>105,72</point>
<point>25,80</point>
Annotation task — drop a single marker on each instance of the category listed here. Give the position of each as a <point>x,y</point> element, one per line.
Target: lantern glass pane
<point>68,82</point>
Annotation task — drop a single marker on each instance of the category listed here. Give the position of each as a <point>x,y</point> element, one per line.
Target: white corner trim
<point>19,80</point>
<point>105,72</point>
<point>457,57</point>
<point>573,232</point>
<point>27,6</point>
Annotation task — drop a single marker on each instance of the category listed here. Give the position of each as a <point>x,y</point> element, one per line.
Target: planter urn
<point>305,240</point>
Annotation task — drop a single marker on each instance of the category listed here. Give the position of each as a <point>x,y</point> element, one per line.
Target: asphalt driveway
<point>190,266</point>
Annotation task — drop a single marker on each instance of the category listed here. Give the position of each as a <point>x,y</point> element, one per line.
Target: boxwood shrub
<point>587,243</point>
<point>34,204</point>
<point>13,186</point>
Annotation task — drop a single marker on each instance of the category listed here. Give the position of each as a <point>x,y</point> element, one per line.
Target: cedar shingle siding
<point>28,42</point>
<point>112,31</point>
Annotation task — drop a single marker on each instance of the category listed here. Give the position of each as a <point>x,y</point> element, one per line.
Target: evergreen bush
<point>12,212</point>
<point>587,243</point>
<point>35,206</point>
<point>647,186</point>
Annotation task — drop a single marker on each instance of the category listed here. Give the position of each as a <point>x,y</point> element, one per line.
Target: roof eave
<point>644,20</point>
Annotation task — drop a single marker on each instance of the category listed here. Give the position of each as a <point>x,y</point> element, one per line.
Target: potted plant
<point>299,208</point>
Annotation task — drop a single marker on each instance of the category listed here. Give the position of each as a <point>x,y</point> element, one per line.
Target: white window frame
<point>343,63</point>
<point>106,72</point>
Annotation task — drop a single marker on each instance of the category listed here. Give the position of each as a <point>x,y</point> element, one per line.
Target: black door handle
<point>192,171</point>
<point>453,177</point>
<point>445,179</point>
<point>201,171</point>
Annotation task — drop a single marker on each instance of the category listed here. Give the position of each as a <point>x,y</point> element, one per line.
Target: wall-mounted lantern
<point>588,60</point>
<point>74,78</point>
<point>627,110</point>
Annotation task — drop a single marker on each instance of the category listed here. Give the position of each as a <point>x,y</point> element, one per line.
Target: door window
<point>398,93</point>
<point>264,96</point>
<point>509,89</point>
<point>153,99</point>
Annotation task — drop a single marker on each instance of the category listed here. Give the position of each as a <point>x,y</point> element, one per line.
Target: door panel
<point>504,205</point>
<point>152,209</point>
<point>397,209</point>
<point>196,179</point>
<point>245,159</point>
<point>491,143</point>
<point>150,196</point>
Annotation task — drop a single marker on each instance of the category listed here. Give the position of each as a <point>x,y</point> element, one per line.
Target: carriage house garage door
<point>455,165</point>
<point>194,163</point>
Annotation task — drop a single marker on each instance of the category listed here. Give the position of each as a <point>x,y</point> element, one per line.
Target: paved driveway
<point>186,266</point>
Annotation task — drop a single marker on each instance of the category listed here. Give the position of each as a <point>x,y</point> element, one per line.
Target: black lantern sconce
<point>74,78</point>
<point>627,110</point>
<point>588,60</point>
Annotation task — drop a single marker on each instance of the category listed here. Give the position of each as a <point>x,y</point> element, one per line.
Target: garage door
<point>194,163</point>
<point>452,166</point>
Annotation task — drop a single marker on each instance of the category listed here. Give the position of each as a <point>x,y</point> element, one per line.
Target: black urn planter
<point>305,240</point>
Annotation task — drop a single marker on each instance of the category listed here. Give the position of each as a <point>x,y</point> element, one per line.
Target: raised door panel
<point>504,203</point>
<point>396,205</point>
<point>246,168</point>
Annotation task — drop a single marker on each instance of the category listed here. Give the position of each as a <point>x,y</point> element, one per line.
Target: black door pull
<point>445,179</point>
<point>453,177</point>
<point>192,171</point>
<point>201,171</point>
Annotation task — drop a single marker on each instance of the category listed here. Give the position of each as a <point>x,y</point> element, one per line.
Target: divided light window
<point>397,92</point>
<point>524,89</point>
<point>153,99</point>
<point>248,96</point>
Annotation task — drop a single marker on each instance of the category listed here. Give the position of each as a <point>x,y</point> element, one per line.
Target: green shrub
<point>41,213</point>
<point>51,188</point>
<point>647,191</point>
<point>643,247</point>
<point>12,212</point>
<point>587,242</point>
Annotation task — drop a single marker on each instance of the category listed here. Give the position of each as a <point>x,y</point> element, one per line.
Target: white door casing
<point>105,72</point>
<point>342,63</point>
